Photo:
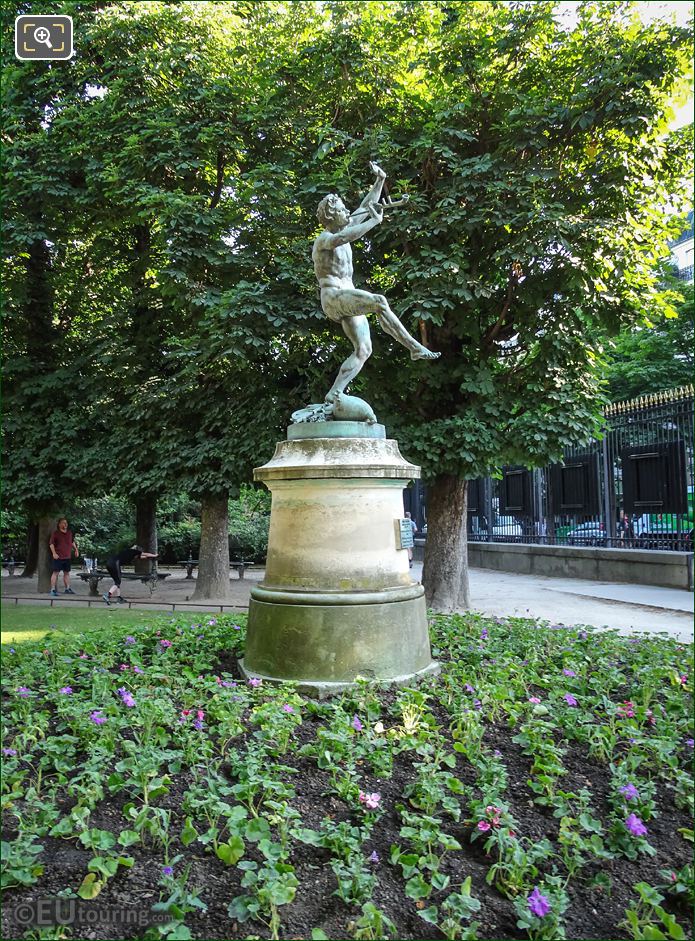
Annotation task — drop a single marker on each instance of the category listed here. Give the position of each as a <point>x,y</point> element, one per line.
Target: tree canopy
<point>163,320</point>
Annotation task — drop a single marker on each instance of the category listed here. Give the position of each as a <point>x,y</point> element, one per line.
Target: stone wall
<point>634,566</point>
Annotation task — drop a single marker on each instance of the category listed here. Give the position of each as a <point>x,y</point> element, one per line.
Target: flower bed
<point>539,787</point>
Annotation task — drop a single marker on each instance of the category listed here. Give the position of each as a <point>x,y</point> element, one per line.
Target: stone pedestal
<point>338,600</point>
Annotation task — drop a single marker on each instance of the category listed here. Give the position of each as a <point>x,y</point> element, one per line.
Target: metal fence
<point>631,489</point>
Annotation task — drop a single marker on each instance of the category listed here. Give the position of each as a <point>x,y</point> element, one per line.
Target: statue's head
<point>332,213</point>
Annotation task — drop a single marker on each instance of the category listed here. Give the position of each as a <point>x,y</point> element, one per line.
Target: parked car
<point>587,534</point>
<point>507,529</point>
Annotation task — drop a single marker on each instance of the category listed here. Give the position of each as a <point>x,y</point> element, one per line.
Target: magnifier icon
<point>43,35</point>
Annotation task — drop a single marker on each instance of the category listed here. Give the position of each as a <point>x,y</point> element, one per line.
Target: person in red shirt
<point>61,545</point>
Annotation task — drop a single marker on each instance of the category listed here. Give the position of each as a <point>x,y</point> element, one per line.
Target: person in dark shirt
<point>113,567</point>
<point>61,544</point>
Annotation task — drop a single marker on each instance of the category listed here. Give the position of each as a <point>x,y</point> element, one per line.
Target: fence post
<point>608,494</point>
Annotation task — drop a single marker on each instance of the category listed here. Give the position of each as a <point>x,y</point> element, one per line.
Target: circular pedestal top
<point>335,429</point>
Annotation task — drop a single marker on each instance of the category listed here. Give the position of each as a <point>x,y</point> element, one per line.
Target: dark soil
<point>593,913</point>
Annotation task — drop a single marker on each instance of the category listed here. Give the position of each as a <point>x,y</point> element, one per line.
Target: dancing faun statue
<point>341,301</point>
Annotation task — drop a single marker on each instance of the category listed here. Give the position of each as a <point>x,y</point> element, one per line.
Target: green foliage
<point>650,358</point>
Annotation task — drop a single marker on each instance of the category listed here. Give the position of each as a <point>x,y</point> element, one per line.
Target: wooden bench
<point>10,564</point>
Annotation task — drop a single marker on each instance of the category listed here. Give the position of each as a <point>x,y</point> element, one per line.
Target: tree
<point>653,357</point>
<point>538,160</point>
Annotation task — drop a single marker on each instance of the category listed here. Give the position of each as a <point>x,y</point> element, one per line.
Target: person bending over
<point>113,567</point>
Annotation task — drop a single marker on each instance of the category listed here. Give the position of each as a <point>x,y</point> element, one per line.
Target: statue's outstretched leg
<point>391,324</point>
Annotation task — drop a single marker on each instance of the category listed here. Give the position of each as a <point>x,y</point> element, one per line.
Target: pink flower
<point>569,672</point>
<point>484,826</point>
<point>287,708</point>
<point>165,643</point>
<point>571,701</point>
<point>627,709</point>
<point>123,666</point>
<point>23,691</point>
<point>356,724</point>
<point>200,714</point>
<point>534,699</point>
<point>538,904</point>
<point>683,679</point>
<point>635,826</point>
<point>255,681</point>
<point>370,800</point>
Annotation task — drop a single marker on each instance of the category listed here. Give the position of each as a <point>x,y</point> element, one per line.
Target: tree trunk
<point>145,530</point>
<point>47,525</point>
<point>213,561</point>
<point>445,573</point>
<point>32,556</point>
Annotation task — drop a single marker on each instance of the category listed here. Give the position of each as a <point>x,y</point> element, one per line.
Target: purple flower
<point>484,826</point>
<point>570,700</point>
<point>690,743</point>
<point>236,627</point>
<point>168,871</point>
<point>23,691</point>
<point>165,643</point>
<point>630,792</point>
<point>469,688</point>
<point>373,857</point>
<point>569,672</point>
<point>212,622</point>
<point>255,681</point>
<point>9,752</point>
<point>477,704</point>
<point>538,904</point>
<point>287,708</point>
<point>484,633</point>
<point>583,635</point>
<point>97,717</point>
<point>635,826</point>
<point>356,724</point>
<point>65,690</point>
<point>12,650</point>
<point>130,639</point>
<point>126,697</point>
<point>534,699</point>
<point>137,670</point>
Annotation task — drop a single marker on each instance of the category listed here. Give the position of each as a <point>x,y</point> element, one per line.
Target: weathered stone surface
<point>337,600</point>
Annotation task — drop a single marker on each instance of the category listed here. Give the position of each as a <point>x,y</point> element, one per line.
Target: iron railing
<point>633,488</point>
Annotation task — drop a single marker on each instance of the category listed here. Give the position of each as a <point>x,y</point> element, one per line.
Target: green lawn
<point>31,622</point>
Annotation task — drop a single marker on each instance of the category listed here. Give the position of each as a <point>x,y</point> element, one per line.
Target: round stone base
<point>323,648</point>
<point>318,690</point>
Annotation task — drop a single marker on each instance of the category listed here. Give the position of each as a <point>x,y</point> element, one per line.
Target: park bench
<point>10,564</point>
<point>94,576</point>
<point>240,566</point>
